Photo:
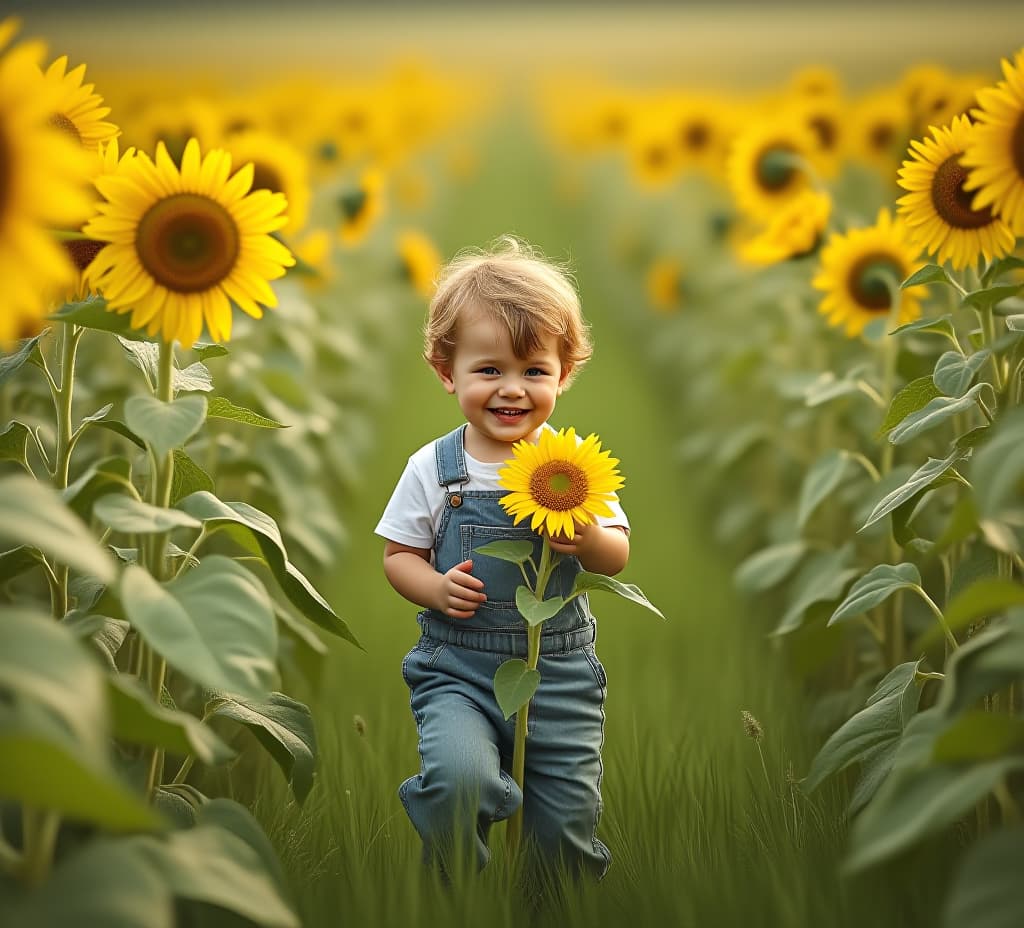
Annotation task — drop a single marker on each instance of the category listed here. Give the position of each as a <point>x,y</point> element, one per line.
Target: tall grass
<point>706,824</point>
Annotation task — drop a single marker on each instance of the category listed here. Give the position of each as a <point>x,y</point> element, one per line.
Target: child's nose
<point>511,388</point>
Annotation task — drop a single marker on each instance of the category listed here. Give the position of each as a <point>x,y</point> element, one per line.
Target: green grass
<point>702,829</point>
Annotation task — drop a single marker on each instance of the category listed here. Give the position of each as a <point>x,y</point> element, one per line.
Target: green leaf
<point>954,372</point>
<point>119,428</point>
<point>986,888</point>
<point>989,296</point>
<point>15,562</point>
<point>828,387</point>
<point>223,408</point>
<point>1015,323</point>
<point>195,377</point>
<point>213,865</point>
<point>769,566</point>
<point>997,471</point>
<point>137,719</point>
<point>130,515</point>
<point>875,765</point>
<point>104,884</point>
<point>822,577</point>
<point>14,443</point>
<point>913,804</point>
<point>986,597</point>
<point>876,586</point>
<point>32,514</point>
<point>587,582</point>
<point>911,398</point>
<point>48,767</point>
<point>106,475</point>
<point>920,480</point>
<point>983,664</point>
<point>880,723</point>
<point>260,532</point>
<point>514,686</point>
<point>43,661</point>
<point>10,364</point>
<point>144,353</point>
<point>979,736</point>
<point>215,624</point>
<point>284,726</point>
<point>999,267</point>
<point>518,552</point>
<point>238,820</point>
<point>929,274</point>
<point>188,477</point>
<point>103,633</point>
<point>823,477</point>
<point>207,350</point>
<point>165,426</point>
<point>536,610</point>
<point>92,313</point>
<point>941,325</point>
<point>935,413</point>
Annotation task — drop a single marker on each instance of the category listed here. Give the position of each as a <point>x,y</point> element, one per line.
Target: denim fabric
<point>465,744</point>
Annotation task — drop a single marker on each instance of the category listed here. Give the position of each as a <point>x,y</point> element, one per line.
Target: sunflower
<point>770,162</point>
<point>78,111</point>
<point>420,261</point>
<point>665,285</point>
<point>559,481</point>
<point>703,130</point>
<point>938,209</point>
<point>360,206</point>
<point>859,271</point>
<point>652,147</point>
<point>880,130</point>
<point>278,167</point>
<point>995,150</point>
<point>185,243</point>
<point>43,185</point>
<point>794,231</point>
<point>174,123</point>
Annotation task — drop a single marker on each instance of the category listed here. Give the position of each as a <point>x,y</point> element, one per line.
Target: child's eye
<point>488,370</point>
<point>536,372</point>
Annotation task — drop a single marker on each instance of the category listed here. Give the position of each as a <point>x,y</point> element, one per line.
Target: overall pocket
<point>500,577</point>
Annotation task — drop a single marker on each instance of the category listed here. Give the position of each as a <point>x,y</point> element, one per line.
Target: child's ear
<point>444,374</point>
<point>564,376</point>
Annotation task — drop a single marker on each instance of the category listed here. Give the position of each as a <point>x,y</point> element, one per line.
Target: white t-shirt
<point>413,513</point>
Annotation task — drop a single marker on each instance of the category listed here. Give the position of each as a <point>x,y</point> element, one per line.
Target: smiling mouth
<point>509,412</point>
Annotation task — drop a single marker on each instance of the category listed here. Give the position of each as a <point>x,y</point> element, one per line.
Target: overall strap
<point>451,458</point>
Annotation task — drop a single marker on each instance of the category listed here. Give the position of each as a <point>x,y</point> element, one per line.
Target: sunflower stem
<point>70,335</point>
<point>514,829</point>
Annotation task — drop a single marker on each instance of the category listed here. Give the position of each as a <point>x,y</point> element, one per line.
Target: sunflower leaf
<point>920,480</point>
<point>165,426</point>
<point>911,398</point>
<point>514,685</point>
<point>11,363</point>
<point>876,586</point>
<point>954,372</point>
<point>943,325</point>
<point>518,552</point>
<point>935,413</point>
<point>222,408</point>
<point>536,610</point>
<point>989,296</point>
<point>929,274</point>
<point>92,313</point>
<point>586,581</point>
<point>1001,266</point>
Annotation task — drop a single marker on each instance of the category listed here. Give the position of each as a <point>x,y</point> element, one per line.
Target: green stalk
<point>40,838</point>
<point>63,396</point>
<point>950,637</point>
<point>157,666</point>
<point>514,829</point>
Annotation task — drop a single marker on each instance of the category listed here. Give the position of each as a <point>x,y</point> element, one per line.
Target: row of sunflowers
<point>834,311</point>
<point>159,486</point>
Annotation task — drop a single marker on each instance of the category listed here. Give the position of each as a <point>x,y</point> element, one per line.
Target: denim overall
<point>465,743</point>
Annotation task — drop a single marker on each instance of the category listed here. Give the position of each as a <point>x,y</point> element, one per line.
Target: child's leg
<point>562,794</point>
<point>461,788</point>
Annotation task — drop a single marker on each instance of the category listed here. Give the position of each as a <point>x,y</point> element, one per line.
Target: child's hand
<point>461,592</point>
<point>579,543</point>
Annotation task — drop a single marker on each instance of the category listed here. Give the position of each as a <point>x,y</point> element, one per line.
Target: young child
<point>505,336</point>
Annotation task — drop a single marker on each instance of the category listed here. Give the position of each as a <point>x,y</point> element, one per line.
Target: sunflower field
<point>804,275</point>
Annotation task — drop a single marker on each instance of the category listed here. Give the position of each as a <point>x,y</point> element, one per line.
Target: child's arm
<point>601,549</point>
<point>457,593</point>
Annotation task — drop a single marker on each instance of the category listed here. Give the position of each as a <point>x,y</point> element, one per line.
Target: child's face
<point>504,398</point>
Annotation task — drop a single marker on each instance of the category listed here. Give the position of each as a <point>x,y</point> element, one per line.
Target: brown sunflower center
<point>825,129</point>
<point>559,486</point>
<point>696,136</point>
<point>82,251</point>
<point>871,278</point>
<point>266,177</point>
<point>352,204</point>
<point>952,202</point>
<point>775,169</point>
<point>614,125</point>
<point>1017,145</point>
<point>187,242</point>
<point>881,137</point>
<point>61,122</point>
<point>656,156</point>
